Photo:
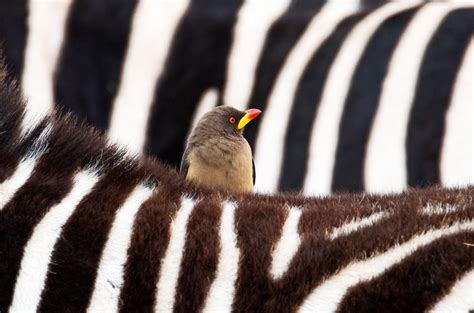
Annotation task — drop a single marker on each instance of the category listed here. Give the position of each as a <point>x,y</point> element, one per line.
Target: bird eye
<point>232,119</point>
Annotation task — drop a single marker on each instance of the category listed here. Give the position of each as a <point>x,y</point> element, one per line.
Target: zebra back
<point>86,226</point>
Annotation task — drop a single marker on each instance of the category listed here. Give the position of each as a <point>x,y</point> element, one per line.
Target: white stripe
<point>38,250</point>
<point>357,224</point>
<point>325,133</point>
<point>221,293</point>
<point>171,263</point>
<point>253,21</point>
<point>46,25</point>
<point>208,102</point>
<point>439,209</point>
<point>40,145</point>
<point>154,24</point>
<point>287,246</point>
<point>111,268</point>
<point>460,298</point>
<point>14,182</point>
<point>327,296</point>
<point>270,140</point>
<point>385,163</point>
<point>457,155</point>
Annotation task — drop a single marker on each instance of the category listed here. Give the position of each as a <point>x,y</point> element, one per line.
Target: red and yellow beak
<point>250,114</point>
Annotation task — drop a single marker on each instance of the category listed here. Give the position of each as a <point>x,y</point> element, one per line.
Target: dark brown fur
<point>200,256</point>
<point>82,241</point>
<point>427,270</point>
<point>148,246</point>
<point>258,225</point>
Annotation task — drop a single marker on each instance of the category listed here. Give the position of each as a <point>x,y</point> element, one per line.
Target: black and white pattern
<point>84,227</point>
<point>356,95</point>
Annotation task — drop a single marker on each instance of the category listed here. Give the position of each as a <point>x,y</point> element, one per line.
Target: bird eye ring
<point>232,119</point>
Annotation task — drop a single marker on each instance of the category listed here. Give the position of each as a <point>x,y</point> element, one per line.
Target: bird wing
<point>183,169</point>
<point>253,172</point>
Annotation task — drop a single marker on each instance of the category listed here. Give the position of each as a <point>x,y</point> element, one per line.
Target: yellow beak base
<point>243,121</point>
<point>250,114</point>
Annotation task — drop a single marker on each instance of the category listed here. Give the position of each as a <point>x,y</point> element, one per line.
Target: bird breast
<point>226,165</point>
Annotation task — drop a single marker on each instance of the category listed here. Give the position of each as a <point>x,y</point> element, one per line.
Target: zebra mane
<point>88,226</point>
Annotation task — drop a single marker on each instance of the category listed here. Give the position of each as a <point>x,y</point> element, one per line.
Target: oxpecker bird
<point>217,154</point>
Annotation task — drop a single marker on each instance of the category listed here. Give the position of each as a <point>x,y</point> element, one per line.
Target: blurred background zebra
<point>356,95</point>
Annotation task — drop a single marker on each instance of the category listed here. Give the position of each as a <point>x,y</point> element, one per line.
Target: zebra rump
<point>357,95</point>
<point>85,226</point>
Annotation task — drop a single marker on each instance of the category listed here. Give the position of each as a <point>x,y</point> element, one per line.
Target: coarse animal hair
<point>84,226</point>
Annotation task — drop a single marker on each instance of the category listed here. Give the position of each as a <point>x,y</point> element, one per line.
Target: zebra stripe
<point>357,224</point>
<point>361,102</point>
<point>110,271</point>
<point>287,246</point>
<point>429,273</point>
<point>325,131</point>
<point>20,215</point>
<point>85,231</point>
<point>202,243</point>
<point>457,153</point>
<point>249,38</point>
<point>108,239</point>
<point>38,250</point>
<point>145,59</point>
<point>278,73</point>
<point>307,97</point>
<point>222,290</point>
<point>143,265</point>
<point>438,209</point>
<point>459,299</point>
<point>270,140</point>
<point>14,182</point>
<point>91,58</point>
<point>427,118</point>
<point>384,167</point>
<point>14,29</point>
<point>171,263</point>
<point>163,250</point>
<point>281,38</point>
<point>189,72</point>
<point>327,296</point>
<point>44,21</point>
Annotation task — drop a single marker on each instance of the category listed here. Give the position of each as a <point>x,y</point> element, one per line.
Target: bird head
<point>225,121</point>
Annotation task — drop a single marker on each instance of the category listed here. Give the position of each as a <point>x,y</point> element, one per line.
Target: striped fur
<point>84,226</point>
<point>357,95</point>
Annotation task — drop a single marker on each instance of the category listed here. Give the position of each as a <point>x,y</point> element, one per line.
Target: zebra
<point>356,95</point>
<point>86,226</point>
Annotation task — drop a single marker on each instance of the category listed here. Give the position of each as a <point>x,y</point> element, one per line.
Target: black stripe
<point>258,227</point>
<point>282,36</point>
<point>90,64</point>
<point>11,110</point>
<point>196,62</point>
<point>370,4</point>
<point>362,100</point>
<point>199,264</point>
<point>18,219</point>
<point>441,62</point>
<point>150,239</point>
<point>50,181</point>
<point>13,34</point>
<point>44,188</point>
<point>75,260</point>
<point>418,282</point>
<point>306,103</point>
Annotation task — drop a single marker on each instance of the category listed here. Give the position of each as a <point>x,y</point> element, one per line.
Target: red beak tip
<point>253,113</point>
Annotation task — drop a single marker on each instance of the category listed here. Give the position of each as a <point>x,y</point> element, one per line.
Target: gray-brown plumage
<point>217,154</point>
